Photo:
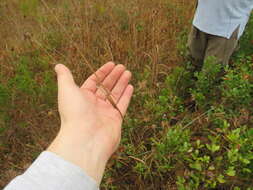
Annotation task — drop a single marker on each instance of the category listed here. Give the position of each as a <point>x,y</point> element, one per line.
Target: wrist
<point>84,154</point>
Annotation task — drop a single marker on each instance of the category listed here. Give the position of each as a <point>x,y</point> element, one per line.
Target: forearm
<point>89,156</point>
<point>51,172</point>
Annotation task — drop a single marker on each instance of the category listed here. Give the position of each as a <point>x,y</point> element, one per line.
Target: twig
<point>196,118</point>
<point>137,159</point>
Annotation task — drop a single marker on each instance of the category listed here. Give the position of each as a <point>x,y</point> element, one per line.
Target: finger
<point>64,77</point>
<point>101,73</point>
<point>110,80</point>
<point>121,85</point>
<point>125,99</point>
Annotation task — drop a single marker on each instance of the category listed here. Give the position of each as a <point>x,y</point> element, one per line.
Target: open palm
<point>86,109</point>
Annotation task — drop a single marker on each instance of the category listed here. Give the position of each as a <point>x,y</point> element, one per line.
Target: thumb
<point>64,77</point>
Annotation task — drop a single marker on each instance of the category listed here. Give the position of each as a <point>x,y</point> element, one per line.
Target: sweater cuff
<point>50,172</point>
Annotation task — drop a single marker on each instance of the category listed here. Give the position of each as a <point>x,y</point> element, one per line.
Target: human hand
<point>90,125</point>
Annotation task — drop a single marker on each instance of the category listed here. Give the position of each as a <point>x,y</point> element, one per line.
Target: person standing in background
<point>217,27</point>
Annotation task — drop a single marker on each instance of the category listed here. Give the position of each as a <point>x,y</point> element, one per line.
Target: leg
<point>196,47</point>
<point>221,48</point>
<point>197,42</point>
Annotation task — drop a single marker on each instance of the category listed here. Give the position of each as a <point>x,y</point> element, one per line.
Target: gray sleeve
<point>51,172</point>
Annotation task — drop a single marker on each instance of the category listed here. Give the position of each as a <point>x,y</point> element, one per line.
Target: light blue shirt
<point>222,17</point>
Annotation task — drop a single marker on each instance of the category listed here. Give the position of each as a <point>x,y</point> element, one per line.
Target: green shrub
<point>237,87</point>
<point>172,148</point>
<point>206,90</point>
<point>23,80</point>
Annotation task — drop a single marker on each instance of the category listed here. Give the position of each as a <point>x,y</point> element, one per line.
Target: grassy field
<point>166,144</point>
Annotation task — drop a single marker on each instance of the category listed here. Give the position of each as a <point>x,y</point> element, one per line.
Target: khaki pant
<point>202,45</point>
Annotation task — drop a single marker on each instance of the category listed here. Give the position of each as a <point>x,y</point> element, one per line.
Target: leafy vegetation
<point>183,130</point>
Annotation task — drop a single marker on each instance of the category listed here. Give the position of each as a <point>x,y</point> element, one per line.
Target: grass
<point>165,144</point>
